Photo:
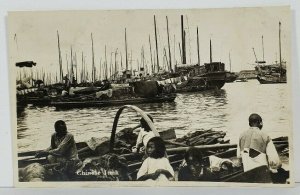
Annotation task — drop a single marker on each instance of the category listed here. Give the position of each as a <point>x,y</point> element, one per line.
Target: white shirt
<point>270,158</point>
<point>150,165</point>
<point>144,137</point>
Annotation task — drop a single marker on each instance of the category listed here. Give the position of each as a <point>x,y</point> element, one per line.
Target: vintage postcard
<point>195,97</point>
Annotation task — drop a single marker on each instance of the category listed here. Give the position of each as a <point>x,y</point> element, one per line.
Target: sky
<point>33,36</point>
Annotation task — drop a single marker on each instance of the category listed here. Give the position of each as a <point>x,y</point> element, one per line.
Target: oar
<point>203,147</point>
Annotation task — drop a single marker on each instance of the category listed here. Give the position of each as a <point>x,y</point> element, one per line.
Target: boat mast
<point>76,66</point>
<point>263,50</point>
<point>157,61</point>
<point>72,72</point>
<point>100,70</point>
<point>170,61</point>
<point>183,41</point>
<point>152,67</point>
<point>82,69</point>
<point>116,69</point>
<point>60,60</point>
<point>126,50</point>
<point>198,47</point>
<point>229,62</point>
<point>175,61</point>
<point>280,62</point>
<point>93,60</point>
<point>210,51</point>
<point>105,64</point>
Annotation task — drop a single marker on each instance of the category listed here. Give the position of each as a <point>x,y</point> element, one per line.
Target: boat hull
<point>209,81</point>
<point>103,103</point>
<point>272,80</point>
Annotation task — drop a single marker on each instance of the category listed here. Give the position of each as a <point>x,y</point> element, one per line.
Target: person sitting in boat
<point>63,146</point>
<point>256,147</point>
<point>193,167</point>
<point>156,167</point>
<point>144,135</point>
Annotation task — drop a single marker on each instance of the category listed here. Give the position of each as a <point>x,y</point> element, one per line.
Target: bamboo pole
<point>202,147</point>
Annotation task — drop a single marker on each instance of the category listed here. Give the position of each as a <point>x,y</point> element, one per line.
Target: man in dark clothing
<point>63,146</point>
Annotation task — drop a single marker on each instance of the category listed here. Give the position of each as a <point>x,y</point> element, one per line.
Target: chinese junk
<point>274,73</point>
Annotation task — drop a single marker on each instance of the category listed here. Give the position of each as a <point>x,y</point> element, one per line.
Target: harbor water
<point>227,109</point>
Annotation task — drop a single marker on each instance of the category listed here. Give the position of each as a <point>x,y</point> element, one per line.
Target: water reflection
<point>227,109</point>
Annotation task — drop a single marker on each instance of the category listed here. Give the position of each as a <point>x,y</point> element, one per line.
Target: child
<point>156,167</point>
<point>192,170</point>
<point>144,136</point>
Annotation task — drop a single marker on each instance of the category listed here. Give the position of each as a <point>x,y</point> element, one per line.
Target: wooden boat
<point>230,77</point>
<point>273,73</point>
<point>78,103</point>
<point>175,152</point>
<point>209,76</point>
<point>271,78</point>
<point>241,79</point>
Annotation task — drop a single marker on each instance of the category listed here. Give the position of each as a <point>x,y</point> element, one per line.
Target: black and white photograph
<point>175,97</point>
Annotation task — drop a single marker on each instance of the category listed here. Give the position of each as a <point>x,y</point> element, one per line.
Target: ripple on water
<point>227,109</point>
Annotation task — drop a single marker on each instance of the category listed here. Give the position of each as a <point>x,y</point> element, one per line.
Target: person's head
<point>144,124</point>
<point>226,166</point>
<point>194,160</point>
<point>60,128</point>
<point>255,121</point>
<point>156,148</point>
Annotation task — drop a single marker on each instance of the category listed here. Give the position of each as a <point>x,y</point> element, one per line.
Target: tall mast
<point>143,58</point>
<point>152,67</point>
<point>180,52</point>
<point>210,51</point>
<point>183,41</point>
<point>72,72</point>
<point>100,69</point>
<point>174,54</point>
<point>126,50</point>
<point>105,64</point>
<point>82,69</point>
<point>116,71</point>
<point>198,52</point>
<point>170,61</point>
<point>280,62</point>
<point>93,59</point>
<point>76,66</point>
<point>157,61</point>
<point>60,60</point>
<point>263,49</point>
<point>229,62</point>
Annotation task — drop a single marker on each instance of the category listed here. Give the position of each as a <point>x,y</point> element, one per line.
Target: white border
<point>6,179</point>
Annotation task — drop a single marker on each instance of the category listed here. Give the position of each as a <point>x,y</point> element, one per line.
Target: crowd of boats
<point>128,87</point>
<point>131,87</point>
